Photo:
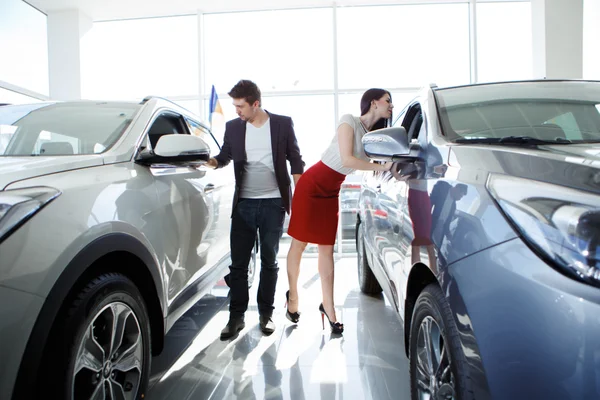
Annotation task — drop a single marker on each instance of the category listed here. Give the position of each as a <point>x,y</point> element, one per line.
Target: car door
<point>390,207</point>
<point>218,186</point>
<point>374,218</point>
<point>185,206</point>
<point>409,209</point>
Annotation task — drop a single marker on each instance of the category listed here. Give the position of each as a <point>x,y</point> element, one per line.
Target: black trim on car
<point>33,357</point>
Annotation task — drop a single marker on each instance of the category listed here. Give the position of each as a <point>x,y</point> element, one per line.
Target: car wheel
<point>106,342</point>
<point>437,363</point>
<point>366,279</point>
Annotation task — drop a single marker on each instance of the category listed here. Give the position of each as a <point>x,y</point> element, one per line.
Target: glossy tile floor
<point>295,362</point>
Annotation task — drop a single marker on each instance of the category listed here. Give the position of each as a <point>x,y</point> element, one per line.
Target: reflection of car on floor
<point>110,229</point>
<point>485,237</point>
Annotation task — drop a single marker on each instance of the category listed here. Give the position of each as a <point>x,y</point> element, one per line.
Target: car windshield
<point>521,112</point>
<point>62,128</point>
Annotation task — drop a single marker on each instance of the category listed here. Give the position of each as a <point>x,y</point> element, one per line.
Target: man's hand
<point>212,163</point>
<point>296,178</point>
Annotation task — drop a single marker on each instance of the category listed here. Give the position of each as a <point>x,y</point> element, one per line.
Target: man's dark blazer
<point>283,144</point>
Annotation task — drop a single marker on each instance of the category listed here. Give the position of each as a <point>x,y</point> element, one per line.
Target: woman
<point>314,215</point>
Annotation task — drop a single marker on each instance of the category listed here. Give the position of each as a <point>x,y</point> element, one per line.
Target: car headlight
<point>562,224</point>
<point>17,206</point>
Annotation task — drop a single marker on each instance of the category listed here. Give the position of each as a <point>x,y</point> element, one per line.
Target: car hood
<point>589,151</point>
<point>571,165</point>
<point>13,169</point>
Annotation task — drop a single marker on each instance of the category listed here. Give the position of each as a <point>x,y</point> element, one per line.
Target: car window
<point>568,124</point>
<point>167,123</point>
<point>6,134</point>
<point>413,123</point>
<point>545,110</point>
<point>63,128</point>
<point>55,143</point>
<point>205,134</point>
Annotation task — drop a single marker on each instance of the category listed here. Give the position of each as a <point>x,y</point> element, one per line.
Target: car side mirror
<point>178,151</point>
<point>386,144</point>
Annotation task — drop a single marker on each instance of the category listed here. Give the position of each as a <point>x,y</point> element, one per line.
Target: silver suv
<point>110,229</point>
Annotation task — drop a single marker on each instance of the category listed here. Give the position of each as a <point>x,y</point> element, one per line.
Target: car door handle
<point>209,188</point>
<point>378,187</point>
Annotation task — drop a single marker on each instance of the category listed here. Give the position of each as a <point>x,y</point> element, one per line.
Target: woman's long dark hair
<point>365,106</point>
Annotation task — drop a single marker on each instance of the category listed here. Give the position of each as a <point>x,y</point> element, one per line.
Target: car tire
<point>366,279</point>
<point>432,323</point>
<point>92,355</point>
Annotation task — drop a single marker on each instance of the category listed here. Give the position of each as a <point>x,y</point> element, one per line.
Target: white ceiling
<point>102,10</point>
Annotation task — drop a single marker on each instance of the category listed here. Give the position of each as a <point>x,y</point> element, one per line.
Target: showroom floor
<point>297,361</point>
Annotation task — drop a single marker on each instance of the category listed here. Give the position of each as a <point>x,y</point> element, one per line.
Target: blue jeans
<point>251,215</point>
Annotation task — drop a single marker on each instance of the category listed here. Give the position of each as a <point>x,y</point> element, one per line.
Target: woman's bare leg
<point>326,273</point>
<point>293,271</point>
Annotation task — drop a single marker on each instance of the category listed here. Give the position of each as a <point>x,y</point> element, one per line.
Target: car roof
<point>434,87</point>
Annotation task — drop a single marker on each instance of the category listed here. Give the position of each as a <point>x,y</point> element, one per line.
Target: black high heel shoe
<point>295,316</point>
<point>336,327</point>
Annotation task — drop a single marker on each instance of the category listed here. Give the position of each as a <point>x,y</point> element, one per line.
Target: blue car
<point>485,238</point>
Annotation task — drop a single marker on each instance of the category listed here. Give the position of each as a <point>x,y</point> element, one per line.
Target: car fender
<point>57,298</point>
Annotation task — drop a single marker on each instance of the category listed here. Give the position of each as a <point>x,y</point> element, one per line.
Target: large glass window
<point>504,49</point>
<point>349,103</point>
<point>24,46</point>
<point>314,121</point>
<point>190,105</point>
<point>313,117</point>
<point>279,50</point>
<point>591,39</point>
<point>10,97</point>
<point>403,46</point>
<point>136,58</point>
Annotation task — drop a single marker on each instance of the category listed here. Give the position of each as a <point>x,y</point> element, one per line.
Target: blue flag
<point>215,106</point>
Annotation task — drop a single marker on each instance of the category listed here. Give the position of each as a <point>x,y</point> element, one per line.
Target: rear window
<point>63,128</point>
<point>544,110</point>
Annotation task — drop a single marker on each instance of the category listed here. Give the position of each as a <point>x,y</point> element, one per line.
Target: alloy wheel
<point>435,380</point>
<point>110,356</point>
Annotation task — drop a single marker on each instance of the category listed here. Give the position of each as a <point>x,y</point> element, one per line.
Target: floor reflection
<point>297,361</point>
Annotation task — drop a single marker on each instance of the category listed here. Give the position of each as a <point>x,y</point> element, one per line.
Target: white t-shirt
<point>259,180</point>
<point>332,158</point>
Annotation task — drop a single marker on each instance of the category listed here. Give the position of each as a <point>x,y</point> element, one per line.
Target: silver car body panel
<point>19,311</point>
<point>181,216</point>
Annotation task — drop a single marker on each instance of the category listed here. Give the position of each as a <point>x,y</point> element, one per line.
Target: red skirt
<point>315,205</point>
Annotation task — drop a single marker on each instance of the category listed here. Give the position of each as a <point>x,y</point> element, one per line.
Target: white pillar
<point>65,30</point>
<point>473,40</point>
<point>557,38</point>
<point>591,58</point>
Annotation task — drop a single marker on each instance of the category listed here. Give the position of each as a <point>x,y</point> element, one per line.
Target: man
<point>259,143</point>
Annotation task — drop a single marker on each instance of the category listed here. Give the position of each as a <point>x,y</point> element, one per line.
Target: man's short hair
<point>461,188</point>
<point>246,90</point>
